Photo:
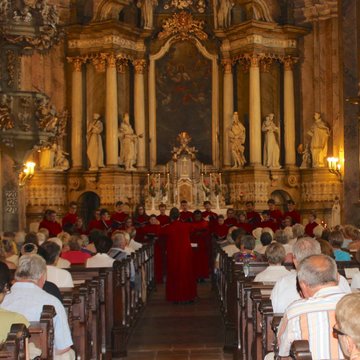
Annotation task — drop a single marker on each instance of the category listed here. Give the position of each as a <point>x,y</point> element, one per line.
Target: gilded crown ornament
<point>183,27</point>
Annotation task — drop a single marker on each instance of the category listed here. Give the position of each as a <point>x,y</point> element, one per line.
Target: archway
<point>88,202</point>
<point>281,197</point>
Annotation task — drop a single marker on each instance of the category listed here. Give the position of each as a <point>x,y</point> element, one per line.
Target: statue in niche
<point>306,156</point>
<point>46,115</point>
<point>336,213</point>
<point>237,136</point>
<point>61,162</point>
<point>128,144</point>
<point>6,122</point>
<point>95,150</point>
<point>47,155</point>
<point>147,12</point>
<point>319,134</point>
<point>224,13</point>
<point>271,143</point>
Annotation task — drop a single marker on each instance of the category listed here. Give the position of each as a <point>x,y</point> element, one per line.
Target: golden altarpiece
<point>134,100</point>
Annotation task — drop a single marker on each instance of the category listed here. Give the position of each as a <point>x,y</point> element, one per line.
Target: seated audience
<point>285,290</point>
<point>75,255</point>
<point>336,239</point>
<point>275,254</point>
<point>355,282</point>
<point>318,232</point>
<point>326,248</point>
<point>10,251</point>
<point>60,277</point>
<point>348,232</point>
<point>312,318</point>
<point>347,328</point>
<point>265,240</point>
<point>101,259</point>
<point>298,232</point>
<point>28,298</point>
<point>7,317</point>
<point>246,244</point>
<point>309,228</point>
<point>62,263</point>
<point>355,244</point>
<point>282,238</point>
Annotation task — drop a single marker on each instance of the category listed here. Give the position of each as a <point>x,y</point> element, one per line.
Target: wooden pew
<point>300,350</point>
<point>15,346</point>
<point>42,332</point>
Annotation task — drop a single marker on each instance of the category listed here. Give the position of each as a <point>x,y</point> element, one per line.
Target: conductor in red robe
<point>180,278</point>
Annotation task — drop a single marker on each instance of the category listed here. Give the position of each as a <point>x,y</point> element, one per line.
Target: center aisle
<point>166,331</point>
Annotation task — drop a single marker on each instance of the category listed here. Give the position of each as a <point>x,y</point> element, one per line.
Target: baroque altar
<point>184,177</point>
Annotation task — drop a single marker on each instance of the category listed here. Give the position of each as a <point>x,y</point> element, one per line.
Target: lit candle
<point>148,178</point>
<point>220,179</point>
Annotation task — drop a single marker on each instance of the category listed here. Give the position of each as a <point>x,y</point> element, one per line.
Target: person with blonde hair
<point>347,327</point>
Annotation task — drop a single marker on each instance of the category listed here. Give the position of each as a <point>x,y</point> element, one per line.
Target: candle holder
<point>27,173</point>
<point>334,166</point>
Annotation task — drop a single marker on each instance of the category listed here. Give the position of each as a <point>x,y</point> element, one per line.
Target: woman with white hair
<point>347,327</point>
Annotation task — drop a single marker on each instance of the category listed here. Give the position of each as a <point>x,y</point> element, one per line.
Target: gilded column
<point>228,109</point>
<point>289,113</point>
<point>76,112</point>
<point>139,110</point>
<point>255,111</point>
<point>111,113</point>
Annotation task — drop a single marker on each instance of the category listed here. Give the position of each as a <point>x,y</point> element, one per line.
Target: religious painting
<point>184,101</point>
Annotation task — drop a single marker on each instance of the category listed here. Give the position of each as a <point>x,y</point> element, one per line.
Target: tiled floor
<point>179,332</point>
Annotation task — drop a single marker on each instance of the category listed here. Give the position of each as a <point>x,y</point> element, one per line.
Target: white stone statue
<point>147,12</point>
<point>319,134</point>
<point>336,213</point>
<point>271,144</point>
<point>237,136</point>
<point>61,162</point>
<point>95,150</point>
<point>305,153</point>
<point>224,13</point>
<point>128,144</point>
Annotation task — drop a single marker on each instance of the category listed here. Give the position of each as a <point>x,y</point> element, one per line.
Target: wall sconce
<point>27,173</point>
<point>335,167</point>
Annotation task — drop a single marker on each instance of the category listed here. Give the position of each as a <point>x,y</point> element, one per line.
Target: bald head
<point>318,271</point>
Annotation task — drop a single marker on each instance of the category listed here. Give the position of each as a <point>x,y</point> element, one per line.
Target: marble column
<point>228,109</point>
<point>255,111</point>
<point>289,113</point>
<point>77,112</point>
<point>139,111</point>
<point>111,113</point>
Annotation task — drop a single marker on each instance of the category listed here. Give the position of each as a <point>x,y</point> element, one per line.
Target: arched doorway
<point>281,197</point>
<point>88,202</point>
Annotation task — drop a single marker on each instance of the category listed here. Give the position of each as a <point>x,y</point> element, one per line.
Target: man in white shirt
<point>101,259</point>
<point>28,298</point>
<point>60,277</point>
<point>285,290</point>
<point>61,263</point>
<point>275,254</point>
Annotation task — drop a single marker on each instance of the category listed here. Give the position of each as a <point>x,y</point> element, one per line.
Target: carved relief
<point>198,5</point>
<point>139,66</point>
<point>49,195</point>
<point>316,191</point>
<point>227,66</point>
<point>99,62</point>
<point>77,62</point>
<point>183,27</point>
<point>24,115</point>
<point>6,120</point>
<point>75,183</point>
<point>122,65</point>
<point>11,60</point>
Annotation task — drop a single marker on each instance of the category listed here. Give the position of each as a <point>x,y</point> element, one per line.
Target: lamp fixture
<point>334,167</point>
<point>27,173</point>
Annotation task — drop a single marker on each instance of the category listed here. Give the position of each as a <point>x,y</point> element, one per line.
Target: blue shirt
<point>342,255</point>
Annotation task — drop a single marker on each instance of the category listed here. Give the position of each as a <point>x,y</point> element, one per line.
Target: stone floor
<point>167,331</point>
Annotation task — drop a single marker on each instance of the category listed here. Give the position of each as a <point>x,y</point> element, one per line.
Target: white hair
<point>31,267</point>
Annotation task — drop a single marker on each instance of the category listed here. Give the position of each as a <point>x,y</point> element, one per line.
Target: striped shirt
<point>312,319</point>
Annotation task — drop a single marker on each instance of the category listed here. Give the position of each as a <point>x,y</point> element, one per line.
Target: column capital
<point>254,60</point>
<point>121,65</point>
<point>227,65</point>
<point>77,62</point>
<point>99,62</point>
<point>111,60</point>
<point>139,66</point>
<point>289,62</point>
<point>266,63</point>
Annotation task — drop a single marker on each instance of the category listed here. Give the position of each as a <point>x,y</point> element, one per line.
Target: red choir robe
<point>246,226</point>
<point>201,236</point>
<point>118,219</point>
<point>231,222</point>
<point>309,228</point>
<point>220,231</point>
<point>277,216</point>
<point>93,224</point>
<point>295,216</point>
<point>141,221</point>
<point>270,224</point>
<point>53,226</point>
<point>186,216</point>
<point>254,219</point>
<point>180,276</point>
<point>104,225</point>
<point>163,219</point>
<point>69,218</point>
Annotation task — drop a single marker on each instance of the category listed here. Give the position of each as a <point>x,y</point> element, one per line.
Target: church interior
<point>150,103</point>
<point>180,72</point>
